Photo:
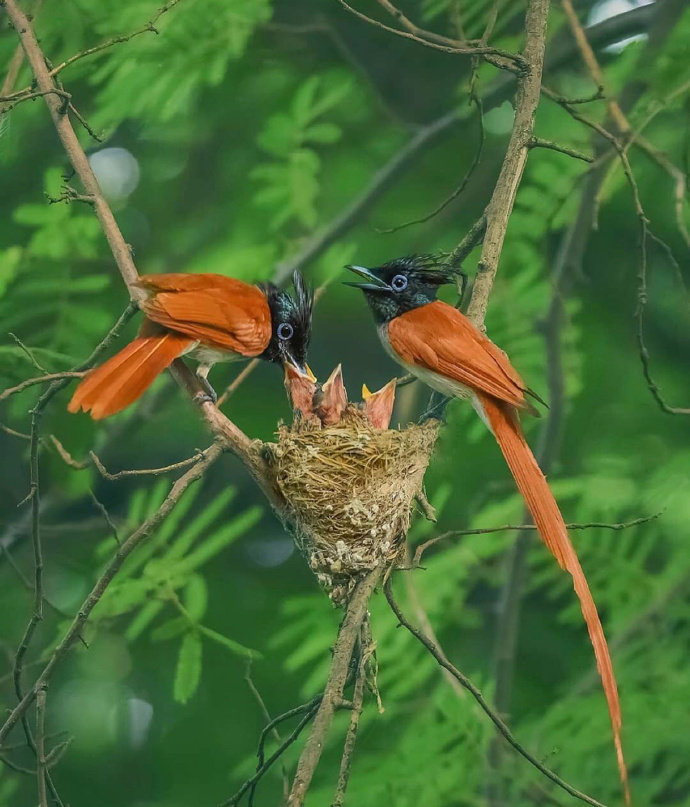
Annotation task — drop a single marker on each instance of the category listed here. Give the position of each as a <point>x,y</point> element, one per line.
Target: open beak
<point>304,371</point>
<point>373,283</point>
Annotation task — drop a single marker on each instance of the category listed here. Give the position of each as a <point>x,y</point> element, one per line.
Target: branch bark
<point>342,654</point>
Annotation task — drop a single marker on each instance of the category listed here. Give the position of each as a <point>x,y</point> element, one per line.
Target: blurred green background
<point>230,139</point>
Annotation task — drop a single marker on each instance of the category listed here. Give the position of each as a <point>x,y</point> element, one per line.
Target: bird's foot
<point>208,394</point>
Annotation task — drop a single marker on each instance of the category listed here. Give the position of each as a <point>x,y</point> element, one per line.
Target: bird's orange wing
<point>219,311</point>
<point>440,338</point>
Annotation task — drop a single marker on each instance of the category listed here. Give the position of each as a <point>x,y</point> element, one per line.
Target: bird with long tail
<point>441,346</point>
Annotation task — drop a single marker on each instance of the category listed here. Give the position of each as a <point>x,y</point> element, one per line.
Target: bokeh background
<point>231,139</point>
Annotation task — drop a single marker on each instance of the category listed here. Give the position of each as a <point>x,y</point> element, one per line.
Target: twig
<point>106,516</point>
<point>503,729</point>
<point>273,730</point>
<point>503,196</point>
<point>40,747</point>
<point>342,653</point>
<point>601,525</point>
<point>539,142</point>
<point>351,736</point>
<point>500,58</point>
<point>28,352</point>
<point>124,551</point>
<point>175,466</point>
<point>43,379</point>
<point>473,237</point>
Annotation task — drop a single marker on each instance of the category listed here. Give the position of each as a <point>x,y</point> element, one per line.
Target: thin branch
<point>273,730</point>
<point>539,142</point>
<point>342,653</point>
<point>500,58</point>
<point>351,736</point>
<point>43,379</point>
<point>106,516</point>
<point>503,729</point>
<point>175,466</point>
<point>599,525</point>
<point>40,747</point>
<point>149,27</point>
<point>309,710</point>
<point>503,197</point>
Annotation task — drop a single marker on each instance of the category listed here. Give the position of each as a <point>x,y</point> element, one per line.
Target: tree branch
<point>342,653</point>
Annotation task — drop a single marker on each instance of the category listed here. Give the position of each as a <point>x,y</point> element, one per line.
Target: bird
<point>209,317</point>
<point>439,345</point>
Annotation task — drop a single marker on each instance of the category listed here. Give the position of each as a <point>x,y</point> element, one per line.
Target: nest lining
<point>350,488</point>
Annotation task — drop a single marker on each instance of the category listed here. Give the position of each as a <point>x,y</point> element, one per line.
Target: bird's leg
<point>462,283</point>
<point>209,395</point>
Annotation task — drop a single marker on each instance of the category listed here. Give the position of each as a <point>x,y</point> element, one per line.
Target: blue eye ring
<point>399,283</point>
<point>285,331</point>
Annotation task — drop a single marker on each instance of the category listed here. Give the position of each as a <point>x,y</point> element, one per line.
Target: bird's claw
<point>208,394</point>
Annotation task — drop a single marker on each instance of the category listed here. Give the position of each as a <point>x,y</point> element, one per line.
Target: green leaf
<point>188,670</point>
<point>195,597</point>
<point>170,629</point>
<point>323,133</point>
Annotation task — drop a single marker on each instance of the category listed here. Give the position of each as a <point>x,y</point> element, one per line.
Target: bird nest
<point>349,482</point>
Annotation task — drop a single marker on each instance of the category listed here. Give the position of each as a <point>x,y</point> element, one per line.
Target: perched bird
<point>439,345</point>
<point>209,317</point>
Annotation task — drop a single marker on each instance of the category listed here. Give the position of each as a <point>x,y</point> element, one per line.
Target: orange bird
<point>210,317</point>
<point>439,345</point>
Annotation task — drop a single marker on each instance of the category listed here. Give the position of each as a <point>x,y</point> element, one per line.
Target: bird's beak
<point>374,283</point>
<point>304,371</point>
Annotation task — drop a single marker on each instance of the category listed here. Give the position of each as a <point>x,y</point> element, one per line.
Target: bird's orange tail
<point>540,502</point>
<point>124,377</point>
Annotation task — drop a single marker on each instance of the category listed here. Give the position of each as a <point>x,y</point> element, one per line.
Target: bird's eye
<point>285,331</point>
<point>399,283</point>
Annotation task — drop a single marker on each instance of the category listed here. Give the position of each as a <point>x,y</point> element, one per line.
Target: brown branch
<point>539,142</point>
<point>600,525</point>
<point>503,197</point>
<point>351,736</point>
<point>500,58</point>
<point>503,729</point>
<point>333,693</point>
<point>114,565</point>
<point>44,379</point>
<point>595,71</point>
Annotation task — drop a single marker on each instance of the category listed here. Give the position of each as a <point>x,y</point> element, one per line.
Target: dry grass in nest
<point>350,487</point>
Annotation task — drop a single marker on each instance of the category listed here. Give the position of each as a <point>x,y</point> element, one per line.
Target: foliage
<point>252,133</point>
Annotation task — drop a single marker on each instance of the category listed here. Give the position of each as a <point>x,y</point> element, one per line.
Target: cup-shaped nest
<point>348,482</point>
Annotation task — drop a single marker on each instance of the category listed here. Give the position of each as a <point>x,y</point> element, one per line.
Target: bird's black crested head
<point>403,284</point>
<point>290,323</point>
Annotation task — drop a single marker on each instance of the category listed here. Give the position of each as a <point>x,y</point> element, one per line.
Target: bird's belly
<point>208,355</point>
